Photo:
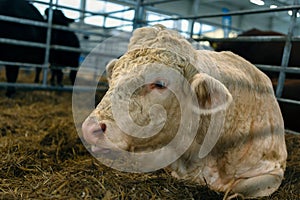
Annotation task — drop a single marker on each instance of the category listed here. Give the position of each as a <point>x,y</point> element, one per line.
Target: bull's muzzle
<point>93,130</point>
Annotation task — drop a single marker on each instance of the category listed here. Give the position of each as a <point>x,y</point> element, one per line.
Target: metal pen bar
<point>293,70</point>
<point>74,68</point>
<point>216,24</point>
<point>95,53</point>
<point>41,45</point>
<point>59,27</point>
<point>233,13</point>
<point>128,2</point>
<point>66,48</point>
<point>32,86</point>
<point>250,39</point>
<point>115,27</point>
<point>48,42</point>
<point>138,15</point>
<point>22,43</point>
<point>118,11</point>
<point>288,101</point>
<point>286,51</point>
<point>149,8</point>
<point>292,132</point>
<point>45,25</point>
<point>158,2</point>
<point>30,66</point>
<point>22,21</point>
<point>21,64</point>
<point>82,11</point>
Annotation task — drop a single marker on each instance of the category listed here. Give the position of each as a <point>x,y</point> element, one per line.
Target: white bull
<point>237,145</point>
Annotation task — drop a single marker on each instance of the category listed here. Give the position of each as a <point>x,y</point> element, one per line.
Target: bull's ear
<point>212,95</point>
<point>213,98</point>
<point>109,68</point>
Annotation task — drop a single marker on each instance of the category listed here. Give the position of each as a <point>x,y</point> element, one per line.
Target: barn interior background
<point>41,154</point>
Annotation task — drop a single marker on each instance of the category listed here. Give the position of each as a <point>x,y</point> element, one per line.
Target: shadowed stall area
<point>42,157</point>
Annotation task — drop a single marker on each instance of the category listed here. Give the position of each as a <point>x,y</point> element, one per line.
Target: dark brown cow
<point>266,53</point>
<point>270,53</point>
<point>290,112</point>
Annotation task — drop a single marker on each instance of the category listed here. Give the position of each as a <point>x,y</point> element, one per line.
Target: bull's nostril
<point>103,127</point>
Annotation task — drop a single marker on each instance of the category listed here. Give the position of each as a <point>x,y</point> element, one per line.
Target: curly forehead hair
<point>138,57</point>
<point>149,55</point>
<point>158,45</point>
<point>160,37</point>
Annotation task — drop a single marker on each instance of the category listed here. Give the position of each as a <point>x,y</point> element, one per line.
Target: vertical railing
<point>138,15</point>
<point>48,43</point>
<point>286,52</point>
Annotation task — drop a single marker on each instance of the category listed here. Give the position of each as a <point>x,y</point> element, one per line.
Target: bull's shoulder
<point>232,69</point>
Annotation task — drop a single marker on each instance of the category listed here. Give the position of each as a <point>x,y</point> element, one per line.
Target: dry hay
<point>42,157</point>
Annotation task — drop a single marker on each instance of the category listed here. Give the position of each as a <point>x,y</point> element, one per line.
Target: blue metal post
<point>48,43</point>
<point>286,52</point>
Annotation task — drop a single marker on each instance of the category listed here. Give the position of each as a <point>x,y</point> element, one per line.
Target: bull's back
<point>233,69</point>
<point>251,89</point>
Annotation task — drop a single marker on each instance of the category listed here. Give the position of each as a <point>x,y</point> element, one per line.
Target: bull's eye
<point>159,84</point>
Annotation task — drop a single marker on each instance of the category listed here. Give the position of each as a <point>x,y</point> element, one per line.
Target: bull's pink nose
<point>92,130</point>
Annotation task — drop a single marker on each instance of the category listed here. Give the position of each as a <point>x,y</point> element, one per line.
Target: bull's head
<point>155,99</point>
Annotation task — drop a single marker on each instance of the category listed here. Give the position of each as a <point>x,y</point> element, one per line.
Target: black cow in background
<point>17,31</point>
<point>20,53</point>
<point>61,58</point>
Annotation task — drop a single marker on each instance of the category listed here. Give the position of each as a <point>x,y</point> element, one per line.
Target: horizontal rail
<point>232,13</point>
<point>33,86</point>
<point>249,39</point>
<point>66,48</point>
<point>292,132</point>
<point>42,45</point>
<point>288,101</point>
<point>30,65</point>
<point>54,26</point>
<point>23,21</point>
<point>22,43</point>
<point>149,8</point>
<point>82,11</point>
<point>21,64</point>
<point>294,70</point>
<point>119,11</point>
<point>45,25</point>
<point>149,3</point>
